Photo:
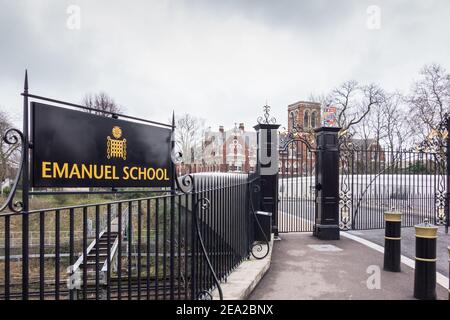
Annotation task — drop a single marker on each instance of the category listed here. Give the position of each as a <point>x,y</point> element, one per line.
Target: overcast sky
<point>220,60</point>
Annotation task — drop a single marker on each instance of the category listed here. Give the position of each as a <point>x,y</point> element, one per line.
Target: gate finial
<point>266,118</point>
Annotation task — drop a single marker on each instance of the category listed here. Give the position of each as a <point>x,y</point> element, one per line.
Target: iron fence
<point>174,245</point>
<point>375,180</point>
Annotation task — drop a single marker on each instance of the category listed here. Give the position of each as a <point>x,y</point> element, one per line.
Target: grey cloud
<point>219,60</point>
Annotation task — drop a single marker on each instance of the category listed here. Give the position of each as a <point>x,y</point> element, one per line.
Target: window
<point>293,118</point>
<point>306,119</point>
<point>314,119</point>
<point>292,115</point>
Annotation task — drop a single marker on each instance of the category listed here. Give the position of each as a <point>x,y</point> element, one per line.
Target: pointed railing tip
<point>26,80</point>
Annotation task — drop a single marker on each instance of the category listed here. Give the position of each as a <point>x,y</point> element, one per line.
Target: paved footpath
<point>409,244</point>
<point>304,267</point>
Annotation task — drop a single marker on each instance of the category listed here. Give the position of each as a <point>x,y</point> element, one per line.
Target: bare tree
<point>102,102</point>
<point>397,127</point>
<point>429,100</point>
<point>9,154</point>
<point>188,135</point>
<point>386,123</point>
<point>353,103</point>
<point>364,129</point>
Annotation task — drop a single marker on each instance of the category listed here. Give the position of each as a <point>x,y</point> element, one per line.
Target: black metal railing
<point>374,180</point>
<point>175,245</point>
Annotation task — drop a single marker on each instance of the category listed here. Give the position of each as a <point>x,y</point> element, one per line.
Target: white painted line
<point>440,278</point>
<point>356,233</point>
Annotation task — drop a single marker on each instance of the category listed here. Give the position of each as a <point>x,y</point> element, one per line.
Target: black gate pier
<point>392,241</point>
<point>327,187</point>
<point>425,271</point>
<point>267,164</point>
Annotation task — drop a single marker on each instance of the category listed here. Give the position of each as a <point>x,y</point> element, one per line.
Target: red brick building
<point>297,159</point>
<point>232,150</point>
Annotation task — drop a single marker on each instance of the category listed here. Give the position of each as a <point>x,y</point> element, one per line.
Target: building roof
<point>249,136</point>
<point>318,104</point>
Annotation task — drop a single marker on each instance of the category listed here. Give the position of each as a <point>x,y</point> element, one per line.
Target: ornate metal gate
<point>374,180</point>
<point>297,181</point>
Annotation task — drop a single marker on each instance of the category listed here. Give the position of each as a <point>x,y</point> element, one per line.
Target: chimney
<point>241,127</point>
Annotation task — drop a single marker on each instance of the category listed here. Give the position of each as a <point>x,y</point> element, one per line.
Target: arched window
<point>292,115</point>
<point>306,119</point>
<point>292,119</point>
<point>314,119</point>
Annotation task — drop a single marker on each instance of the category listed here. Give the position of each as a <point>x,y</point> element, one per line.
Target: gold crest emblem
<point>116,147</point>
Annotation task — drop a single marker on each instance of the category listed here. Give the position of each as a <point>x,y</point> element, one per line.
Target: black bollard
<point>425,272</point>
<point>392,241</point>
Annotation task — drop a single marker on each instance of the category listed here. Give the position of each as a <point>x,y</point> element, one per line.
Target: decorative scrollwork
<point>12,137</point>
<point>266,118</point>
<point>345,202</point>
<point>185,183</point>
<point>345,139</point>
<point>177,156</point>
<point>347,147</point>
<point>436,139</point>
<point>295,133</point>
<point>256,188</point>
<point>258,246</point>
<point>436,143</point>
<point>440,201</point>
<point>291,137</point>
<point>204,204</point>
<point>204,295</point>
<point>345,197</point>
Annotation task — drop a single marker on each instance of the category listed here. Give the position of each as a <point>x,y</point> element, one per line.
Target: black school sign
<point>78,149</point>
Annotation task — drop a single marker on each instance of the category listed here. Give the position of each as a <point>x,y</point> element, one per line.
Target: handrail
<point>80,260</point>
<point>112,254</point>
<point>115,246</point>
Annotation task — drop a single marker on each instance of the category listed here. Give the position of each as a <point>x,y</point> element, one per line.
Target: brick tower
<point>307,115</point>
